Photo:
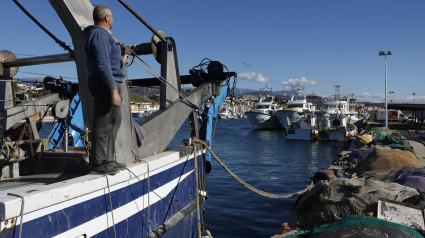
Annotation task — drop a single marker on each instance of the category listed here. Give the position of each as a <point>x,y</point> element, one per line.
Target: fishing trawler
<point>304,128</point>
<point>335,120</point>
<point>47,189</point>
<point>296,107</point>
<point>263,116</point>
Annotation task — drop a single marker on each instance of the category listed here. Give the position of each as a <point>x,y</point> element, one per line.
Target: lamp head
<point>382,52</point>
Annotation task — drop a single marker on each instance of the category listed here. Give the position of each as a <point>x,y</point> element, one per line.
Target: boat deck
<point>37,179</point>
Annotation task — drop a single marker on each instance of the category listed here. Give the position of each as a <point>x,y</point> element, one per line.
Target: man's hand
<point>126,58</point>
<point>116,98</point>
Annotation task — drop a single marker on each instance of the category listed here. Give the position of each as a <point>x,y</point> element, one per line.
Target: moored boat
<point>304,128</point>
<point>263,116</point>
<point>335,121</point>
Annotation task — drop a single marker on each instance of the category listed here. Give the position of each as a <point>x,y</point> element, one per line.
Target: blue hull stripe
<point>73,216</point>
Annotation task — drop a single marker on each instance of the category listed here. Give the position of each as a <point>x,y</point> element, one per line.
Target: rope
<point>198,214</point>
<point>22,212</point>
<point>110,203</point>
<point>258,191</point>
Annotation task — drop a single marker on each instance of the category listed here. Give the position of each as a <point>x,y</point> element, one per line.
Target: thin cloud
<point>253,76</point>
<point>380,98</point>
<point>301,81</point>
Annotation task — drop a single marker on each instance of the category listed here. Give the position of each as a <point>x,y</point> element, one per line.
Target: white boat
<point>303,129</point>
<point>137,113</point>
<point>294,111</point>
<point>224,114</point>
<point>336,122</point>
<point>264,115</point>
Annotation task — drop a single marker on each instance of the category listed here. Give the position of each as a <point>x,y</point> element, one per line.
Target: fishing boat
<point>336,121</point>
<point>224,113</point>
<point>296,108</point>
<point>137,113</point>
<point>294,111</point>
<point>304,128</point>
<point>47,189</point>
<point>263,116</point>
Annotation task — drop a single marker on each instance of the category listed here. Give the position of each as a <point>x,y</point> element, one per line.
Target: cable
<point>150,190</point>
<point>61,43</point>
<point>42,75</point>
<point>260,192</point>
<point>163,80</point>
<point>110,203</point>
<point>198,214</point>
<point>22,212</point>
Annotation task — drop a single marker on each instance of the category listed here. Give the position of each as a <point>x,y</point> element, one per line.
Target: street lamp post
<point>386,104</point>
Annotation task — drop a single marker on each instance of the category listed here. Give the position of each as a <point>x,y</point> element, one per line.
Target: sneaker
<point>117,165</point>
<point>104,168</point>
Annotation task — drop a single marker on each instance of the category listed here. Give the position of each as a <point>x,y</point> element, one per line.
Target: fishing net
<point>330,201</point>
<point>411,177</point>
<point>362,140</point>
<point>385,137</point>
<point>360,226</point>
<point>386,159</point>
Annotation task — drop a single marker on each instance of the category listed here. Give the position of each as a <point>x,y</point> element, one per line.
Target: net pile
<point>386,159</point>
<point>330,201</point>
<point>360,226</point>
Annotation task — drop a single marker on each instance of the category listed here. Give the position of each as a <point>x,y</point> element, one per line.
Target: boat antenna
<point>61,43</point>
<point>337,91</point>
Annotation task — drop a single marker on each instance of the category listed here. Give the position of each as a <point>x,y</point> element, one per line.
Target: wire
<point>22,211</point>
<point>61,43</point>
<point>110,203</point>
<point>198,214</point>
<point>161,198</point>
<point>41,74</point>
<point>163,80</point>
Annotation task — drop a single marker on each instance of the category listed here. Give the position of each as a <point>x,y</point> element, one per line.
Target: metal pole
<point>386,104</point>
<point>47,59</point>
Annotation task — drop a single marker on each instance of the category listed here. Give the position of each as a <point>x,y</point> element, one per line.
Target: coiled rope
<point>245,184</point>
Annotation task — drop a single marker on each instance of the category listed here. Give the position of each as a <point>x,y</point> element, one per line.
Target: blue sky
<point>324,43</point>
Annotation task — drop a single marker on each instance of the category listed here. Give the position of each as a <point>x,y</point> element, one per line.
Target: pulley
<point>156,45</point>
<point>6,55</point>
<point>61,108</point>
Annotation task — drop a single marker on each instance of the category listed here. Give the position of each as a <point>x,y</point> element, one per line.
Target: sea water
<point>267,161</point>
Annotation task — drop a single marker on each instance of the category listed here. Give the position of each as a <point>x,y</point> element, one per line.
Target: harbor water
<point>267,161</point>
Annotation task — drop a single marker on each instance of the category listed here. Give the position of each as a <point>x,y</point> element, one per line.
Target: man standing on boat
<point>106,71</point>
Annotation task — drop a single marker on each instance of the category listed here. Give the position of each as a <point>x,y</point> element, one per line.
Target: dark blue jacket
<point>104,58</point>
